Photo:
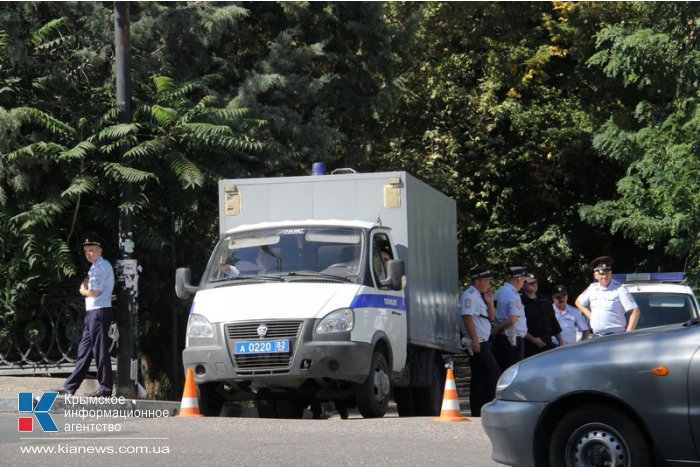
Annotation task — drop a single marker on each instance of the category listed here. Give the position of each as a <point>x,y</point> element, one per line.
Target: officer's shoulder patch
<point>467,303</point>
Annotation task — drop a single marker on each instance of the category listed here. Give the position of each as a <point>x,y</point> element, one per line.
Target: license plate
<point>278,346</point>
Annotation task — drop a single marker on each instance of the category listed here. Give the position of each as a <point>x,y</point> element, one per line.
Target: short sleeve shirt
<point>570,321</point>
<point>473,304</point>
<point>508,303</point>
<point>100,277</point>
<point>608,306</point>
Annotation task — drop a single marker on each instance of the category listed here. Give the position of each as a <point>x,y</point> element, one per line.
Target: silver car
<point>630,399</point>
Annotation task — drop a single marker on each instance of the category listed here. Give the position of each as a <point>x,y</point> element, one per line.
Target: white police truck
<point>326,288</point>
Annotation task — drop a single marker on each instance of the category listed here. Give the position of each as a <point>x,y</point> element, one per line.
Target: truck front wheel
<point>373,394</point>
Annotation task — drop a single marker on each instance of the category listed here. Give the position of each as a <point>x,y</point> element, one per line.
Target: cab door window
<point>381,253</point>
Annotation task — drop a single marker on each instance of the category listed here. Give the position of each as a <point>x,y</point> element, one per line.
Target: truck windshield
<point>323,252</point>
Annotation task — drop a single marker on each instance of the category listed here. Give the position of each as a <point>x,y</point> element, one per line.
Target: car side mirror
<point>394,273</point>
<point>183,286</point>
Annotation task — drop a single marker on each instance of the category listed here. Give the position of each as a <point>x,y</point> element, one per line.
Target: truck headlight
<point>341,320</point>
<point>199,326</point>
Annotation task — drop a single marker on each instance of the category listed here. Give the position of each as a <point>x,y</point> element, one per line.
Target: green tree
<point>655,136</point>
<point>49,83</point>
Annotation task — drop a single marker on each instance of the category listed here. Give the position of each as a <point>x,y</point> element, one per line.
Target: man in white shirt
<point>606,301</point>
<point>570,318</point>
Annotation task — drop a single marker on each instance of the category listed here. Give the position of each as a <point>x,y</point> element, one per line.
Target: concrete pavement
<point>10,386</point>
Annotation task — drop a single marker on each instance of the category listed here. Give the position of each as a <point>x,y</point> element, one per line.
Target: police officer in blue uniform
<point>97,290</point>
<point>606,301</point>
<point>477,311</point>
<point>570,318</point>
<point>511,324</point>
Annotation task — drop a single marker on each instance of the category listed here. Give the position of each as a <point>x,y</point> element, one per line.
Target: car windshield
<point>291,253</point>
<point>660,308</point>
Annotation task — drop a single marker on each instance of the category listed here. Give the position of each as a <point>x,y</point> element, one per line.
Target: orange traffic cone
<point>189,406</point>
<point>450,411</point>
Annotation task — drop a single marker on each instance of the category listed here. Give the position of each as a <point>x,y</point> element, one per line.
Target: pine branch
<point>44,120</point>
<point>80,185</point>
<point>122,173</point>
<point>45,31</point>
<point>186,171</point>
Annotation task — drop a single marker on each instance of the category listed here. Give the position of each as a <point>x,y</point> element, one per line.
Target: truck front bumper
<point>311,356</point>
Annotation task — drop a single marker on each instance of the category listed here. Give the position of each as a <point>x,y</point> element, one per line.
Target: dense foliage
<point>563,130</point>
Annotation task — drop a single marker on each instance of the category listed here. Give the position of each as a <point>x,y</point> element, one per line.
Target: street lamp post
<point>127,267</point>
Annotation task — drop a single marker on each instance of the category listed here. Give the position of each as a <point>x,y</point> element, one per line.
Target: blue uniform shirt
<point>473,304</point>
<point>608,306</point>
<point>570,321</point>
<point>100,277</point>
<point>508,303</point>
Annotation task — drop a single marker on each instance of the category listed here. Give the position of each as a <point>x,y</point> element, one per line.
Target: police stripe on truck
<point>378,301</point>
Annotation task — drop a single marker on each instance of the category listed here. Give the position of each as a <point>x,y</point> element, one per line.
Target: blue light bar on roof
<point>650,277</point>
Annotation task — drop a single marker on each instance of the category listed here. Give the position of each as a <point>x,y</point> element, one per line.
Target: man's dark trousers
<point>484,377</point>
<point>506,354</point>
<point>94,343</point>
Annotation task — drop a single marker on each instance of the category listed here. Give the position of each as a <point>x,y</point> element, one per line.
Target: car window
<point>658,309</point>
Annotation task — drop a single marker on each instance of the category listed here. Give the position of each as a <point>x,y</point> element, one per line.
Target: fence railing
<point>45,338</point>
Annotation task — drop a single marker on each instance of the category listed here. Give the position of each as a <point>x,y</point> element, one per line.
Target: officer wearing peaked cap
<point>97,290</point>
<point>606,301</point>
<point>542,325</point>
<point>477,311</point>
<point>511,324</point>
<point>570,318</point>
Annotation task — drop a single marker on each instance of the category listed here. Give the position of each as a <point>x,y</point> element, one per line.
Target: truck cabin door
<point>391,312</point>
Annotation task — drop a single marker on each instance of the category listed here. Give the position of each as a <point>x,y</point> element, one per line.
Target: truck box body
<point>423,226</point>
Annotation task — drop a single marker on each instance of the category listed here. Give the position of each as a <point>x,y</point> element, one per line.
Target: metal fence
<point>44,339</point>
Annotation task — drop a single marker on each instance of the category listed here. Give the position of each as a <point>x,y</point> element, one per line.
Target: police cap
<point>602,264</point>
<point>559,290</point>
<point>530,278</point>
<point>91,238</point>
<point>515,271</point>
<point>480,273</point>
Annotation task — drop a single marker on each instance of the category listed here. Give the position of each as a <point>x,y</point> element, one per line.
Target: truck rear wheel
<point>266,409</point>
<point>209,400</point>
<point>404,402</point>
<point>291,408</point>
<point>373,395</point>
<point>280,408</point>
<point>428,399</point>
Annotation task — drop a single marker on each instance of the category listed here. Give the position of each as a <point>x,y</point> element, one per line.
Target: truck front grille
<point>254,363</point>
<point>275,330</point>
<point>262,361</point>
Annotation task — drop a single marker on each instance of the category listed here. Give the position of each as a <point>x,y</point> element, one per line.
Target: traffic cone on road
<point>189,407</point>
<point>450,411</point>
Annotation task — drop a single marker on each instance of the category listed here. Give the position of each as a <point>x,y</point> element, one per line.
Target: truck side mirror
<point>183,287</point>
<point>394,272</point>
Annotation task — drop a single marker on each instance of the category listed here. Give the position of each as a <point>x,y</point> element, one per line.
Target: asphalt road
<point>389,441</point>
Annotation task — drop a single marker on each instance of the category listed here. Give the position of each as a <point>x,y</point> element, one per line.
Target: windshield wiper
<point>319,274</point>
<point>263,277</point>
